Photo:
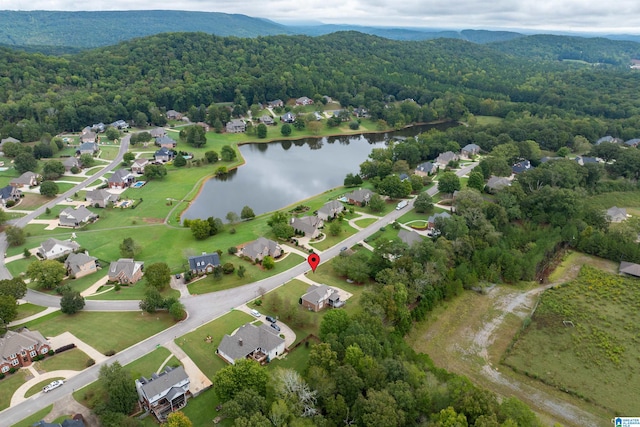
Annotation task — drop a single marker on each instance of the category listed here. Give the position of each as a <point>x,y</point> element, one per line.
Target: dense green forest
<point>446,78</point>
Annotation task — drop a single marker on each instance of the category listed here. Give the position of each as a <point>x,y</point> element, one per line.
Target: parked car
<point>255,313</point>
<point>270,319</point>
<point>177,276</point>
<point>276,327</point>
<point>52,385</point>
<point>344,248</point>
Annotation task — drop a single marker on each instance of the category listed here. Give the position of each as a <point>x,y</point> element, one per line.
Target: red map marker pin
<point>313,260</point>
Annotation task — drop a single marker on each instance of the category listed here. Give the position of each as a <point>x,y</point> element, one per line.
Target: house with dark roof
<point>276,103</point>
<point>163,155</point>
<point>236,126</point>
<point>616,214</point>
<point>425,169</point>
<point>304,101</point>
<point>19,348</point>
<point>157,132</point>
<point>496,183</point>
<point>100,198</point>
<point>319,297</point>
<point>583,160</point>
<point>27,179</point>
<point>432,219</point>
<point>174,115</point>
<point>260,248</point>
<point>77,217</point>
<point>80,265</point>
<point>89,147</point>
<point>71,162</point>
<point>359,197</point>
<point>288,117</point>
<point>98,127</point>
<point>54,248</point>
<point>409,237</point>
<point>445,158</point>
<point>120,124</point>
<point>88,138</point>
<point>629,269</point>
<point>165,142</point>
<point>267,120</point>
<point>632,142</point>
<point>9,193</point>
<point>360,112</point>
<point>121,178</point>
<point>125,271</point>
<point>307,225</point>
<point>609,139</point>
<point>330,209</point>
<point>164,393</point>
<point>470,150</point>
<point>204,264</point>
<point>76,421</point>
<point>138,165</point>
<point>521,166</point>
<point>259,343</point>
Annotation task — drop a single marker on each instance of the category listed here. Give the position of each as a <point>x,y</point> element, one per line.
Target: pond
<point>280,173</point>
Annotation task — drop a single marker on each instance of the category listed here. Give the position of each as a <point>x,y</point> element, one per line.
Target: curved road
<point>201,309</point>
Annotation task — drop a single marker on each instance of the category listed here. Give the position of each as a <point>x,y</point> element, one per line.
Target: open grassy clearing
<point>253,274</point>
<point>572,262</point>
<point>133,292</point>
<point>125,328</point>
<point>31,201</point>
<point>74,359</point>
<point>8,386</point>
<point>488,120</point>
<point>626,199</point>
<point>38,387</point>
<point>330,240</point>
<point>593,356</point>
<point>384,234</point>
<point>203,353</point>
<point>34,418</point>
<point>28,309</point>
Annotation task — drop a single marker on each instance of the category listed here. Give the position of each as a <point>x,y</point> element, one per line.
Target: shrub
<point>26,253</point>
<point>232,250</point>
<point>90,362</point>
<point>1,375</point>
<point>63,348</point>
<point>12,370</point>
<point>257,302</point>
<point>109,352</point>
<point>232,231</point>
<point>10,203</point>
<point>75,170</point>
<point>51,352</point>
<point>228,268</point>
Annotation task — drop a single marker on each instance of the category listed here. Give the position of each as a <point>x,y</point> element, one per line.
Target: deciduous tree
<point>15,235</point>
<point>119,387</point>
<point>227,153</point>
<point>8,309</point>
<point>158,275</point>
<point>245,374</point>
<point>49,188</point>
<point>247,213</point>
<point>178,419</point>
<point>25,162</point>
<point>15,287</point>
<point>71,302</point>
<point>423,202</point>
<point>449,183</point>
<point>47,274</point>
<point>129,248</point>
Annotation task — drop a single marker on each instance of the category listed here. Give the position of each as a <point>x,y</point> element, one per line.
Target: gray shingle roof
<point>75,261</point>
<point>498,182</point>
<point>409,236</point>
<point>126,266</point>
<point>119,176</point>
<point>255,248</point>
<point>201,262</point>
<point>362,195</point>
<point>630,268</point>
<point>48,244</point>
<point>331,208</point>
<point>252,337</point>
<point>307,224</point>
<point>15,342</point>
<point>317,293</point>
<point>164,382</point>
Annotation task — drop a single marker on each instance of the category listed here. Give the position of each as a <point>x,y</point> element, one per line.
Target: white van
<point>402,204</point>
<point>255,313</point>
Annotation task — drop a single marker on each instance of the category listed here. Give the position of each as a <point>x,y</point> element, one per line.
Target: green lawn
<point>330,240</point>
<point>8,386</point>
<point>627,199</point>
<point>296,359</point>
<point>150,363</point>
<point>412,215</point>
<point>74,359</point>
<point>27,309</point>
<point>203,353</point>
<point>384,234</point>
<point>202,410</point>
<point>34,418</point>
<point>488,120</point>
<point>365,222</point>
<point>38,387</point>
<point>125,328</point>
<point>20,265</point>
<point>253,274</point>
<point>133,292</point>
<point>326,275</point>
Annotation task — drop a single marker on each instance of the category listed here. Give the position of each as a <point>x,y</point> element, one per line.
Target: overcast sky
<point>621,16</point>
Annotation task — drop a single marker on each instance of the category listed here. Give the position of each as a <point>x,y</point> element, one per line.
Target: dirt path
<point>470,334</point>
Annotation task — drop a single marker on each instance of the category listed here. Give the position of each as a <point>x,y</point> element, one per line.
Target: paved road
<point>201,309</point>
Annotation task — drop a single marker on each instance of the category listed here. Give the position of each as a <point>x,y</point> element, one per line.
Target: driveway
<point>289,335</point>
<point>198,381</point>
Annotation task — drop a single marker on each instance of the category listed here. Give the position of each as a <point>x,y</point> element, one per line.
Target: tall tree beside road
<point>245,374</point>
<point>49,189</point>
<point>8,309</point>
<point>14,287</point>
<point>120,388</point>
<point>71,302</point>
<point>158,275</point>
<point>449,183</point>
<point>47,274</point>
<point>423,202</point>
<point>15,235</point>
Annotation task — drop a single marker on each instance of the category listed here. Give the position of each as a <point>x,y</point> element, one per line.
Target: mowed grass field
<point>596,358</point>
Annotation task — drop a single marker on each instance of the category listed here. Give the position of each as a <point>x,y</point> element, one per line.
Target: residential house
<point>432,219</point>
<point>164,393</point>
<point>317,116</point>
<point>629,268</point>
<point>9,139</point>
<point>288,117</point>
<point>359,197</point>
<point>304,101</point>
<point>165,142</point>
<point>121,178</point>
<point>470,150</point>
<point>616,214</point>
<point>267,120</point>
<point>70,163</point>
<point>125,271</point>
<point>403,177</point>
<point>360,112</point>
<point>120,125</point>
<point>80,265</point>
<point>174,115</point>
<point>308,225</point>
<point>88,148</point>
<point>319,297</point>
<point>98,127</point>
<point>54,248</point>
<point>9,193</point>
<point>19,348</point>
<point>138,165</point>
<point>27,179</point>
<point>329,210</point>
<point>77,217</point>
<point>236,126</point>
<point>275,104</point>
<point>100,198</point>
<point>157,132</point>
<point>409,237</point>
<point>260,248</point>
<point>632,142</point>
<point>425,169</point>
<point>521,166</point>
<point>89,136</point>
<point>260,343</point>
<point>163,155</point>
<point>496,183</point>
<point>204,264</point>
<point>76,421</point>
<point>445,158</point>
<point>609,139</point>
<point>203,125</point>
<point>583,160</point>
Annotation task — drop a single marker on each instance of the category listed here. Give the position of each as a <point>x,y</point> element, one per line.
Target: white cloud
<point>562,15</point>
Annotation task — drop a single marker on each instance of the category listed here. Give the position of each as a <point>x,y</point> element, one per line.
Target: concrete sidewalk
<point>93,288</point>
<point>198,381</point>
<point>35,316</point>
<point>18,395</point>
